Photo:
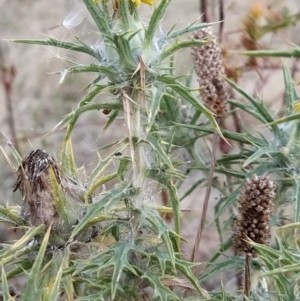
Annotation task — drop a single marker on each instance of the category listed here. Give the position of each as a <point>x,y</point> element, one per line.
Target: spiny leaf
<point>155,102</point>
<point>60,202</point>
<point>156,145</point>
<point>31,288</point>
<point>181,45</point>
<point>61,44</point>
<point>21,242</point>
<point>105,71</point>
<point>68,160</point>
<point>11,215</point>
<point>161,229</point>
<point>188,96</point>
<point>71,118</point>
<point>273,53</point>
<point>97,183</point>
<point>99,16</point>
<point>161,292</point>
<point>119,260</point>
<point>246,138</point>
<point>53,275</point>
<point>5,289</point>
<point>111,118</point>
<point>117,193</point>
<point>21,266</point>
<point>155,20</point>
<point>290,92</point>
<point>190,28</point>
<point>258,106</point>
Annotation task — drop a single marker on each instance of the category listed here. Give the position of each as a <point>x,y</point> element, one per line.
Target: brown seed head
<point>208,63</point>
<point>35,185</point>
<point>255,207</point>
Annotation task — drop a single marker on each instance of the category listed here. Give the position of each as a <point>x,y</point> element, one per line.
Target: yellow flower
<point>297,106</point>
<point>138,2</point>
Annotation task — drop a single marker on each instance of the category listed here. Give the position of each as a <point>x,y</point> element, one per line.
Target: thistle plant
<point>109,246</point>
<point>82,244</point>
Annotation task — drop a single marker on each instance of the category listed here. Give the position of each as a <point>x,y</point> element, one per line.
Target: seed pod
<point>255,213</point>
<point>49,196</point>
<point>208,62</point>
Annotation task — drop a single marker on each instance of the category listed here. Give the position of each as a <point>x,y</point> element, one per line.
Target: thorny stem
<point>247,280</point>
<point>207,195</point>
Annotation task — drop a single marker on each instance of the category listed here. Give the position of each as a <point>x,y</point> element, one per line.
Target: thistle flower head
<point>255,207</point>
<point>209,69</point>
<point>47,193</point>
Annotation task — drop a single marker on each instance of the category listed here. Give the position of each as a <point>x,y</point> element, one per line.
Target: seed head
<point>255,208</point>
<point>208,62</point>
<point>40,203</point>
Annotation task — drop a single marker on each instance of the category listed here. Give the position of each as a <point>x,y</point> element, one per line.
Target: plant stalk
<point>247,279</point>
<point>206,198</point>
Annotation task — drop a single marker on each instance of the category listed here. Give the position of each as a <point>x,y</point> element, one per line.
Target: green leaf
<point>190,28</point>
<point>99,182</point>
<point>165,177</point>
<point>32,286</point>
<point>258,106</point>
<point>186,269</point>
<point>156,97</point>
<point>125,14</point>
<point>61,44</point>
<point>185,94</point>
<point>99,16</point>
<point>127,58</point>
<point>295,53</point>
<point>10,215</point>
<point>290,92</point>
<point>19,244</point>
<point>155,21</point>
<point>232,263</point>
<point>245,138</point>
<point>156,145</point>
<point>111,118</point>
<point>5,290</point>
<point>161,292</point>
<point>52,279</point>
<point>160,228</point>
<point>105,71</point>
<point>255,156</point>
<point>68,161</point>
<point>117,193</point>
<point>21,266</point>
<point>119,260</point>
<point>295,116</point>
<point>191,189</point>
<point>71,118</point>
<point>60,202</point>
<point>181,45</point>
<point>297,201</point>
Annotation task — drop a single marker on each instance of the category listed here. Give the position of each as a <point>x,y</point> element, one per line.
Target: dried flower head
<point>41,204</point>
<point>255,207</point>
<point>208,61</point>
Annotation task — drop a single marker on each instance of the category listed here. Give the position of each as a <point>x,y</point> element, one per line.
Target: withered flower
<point>255,207</point>
<point>49,196</point>
<point>208,62</point>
